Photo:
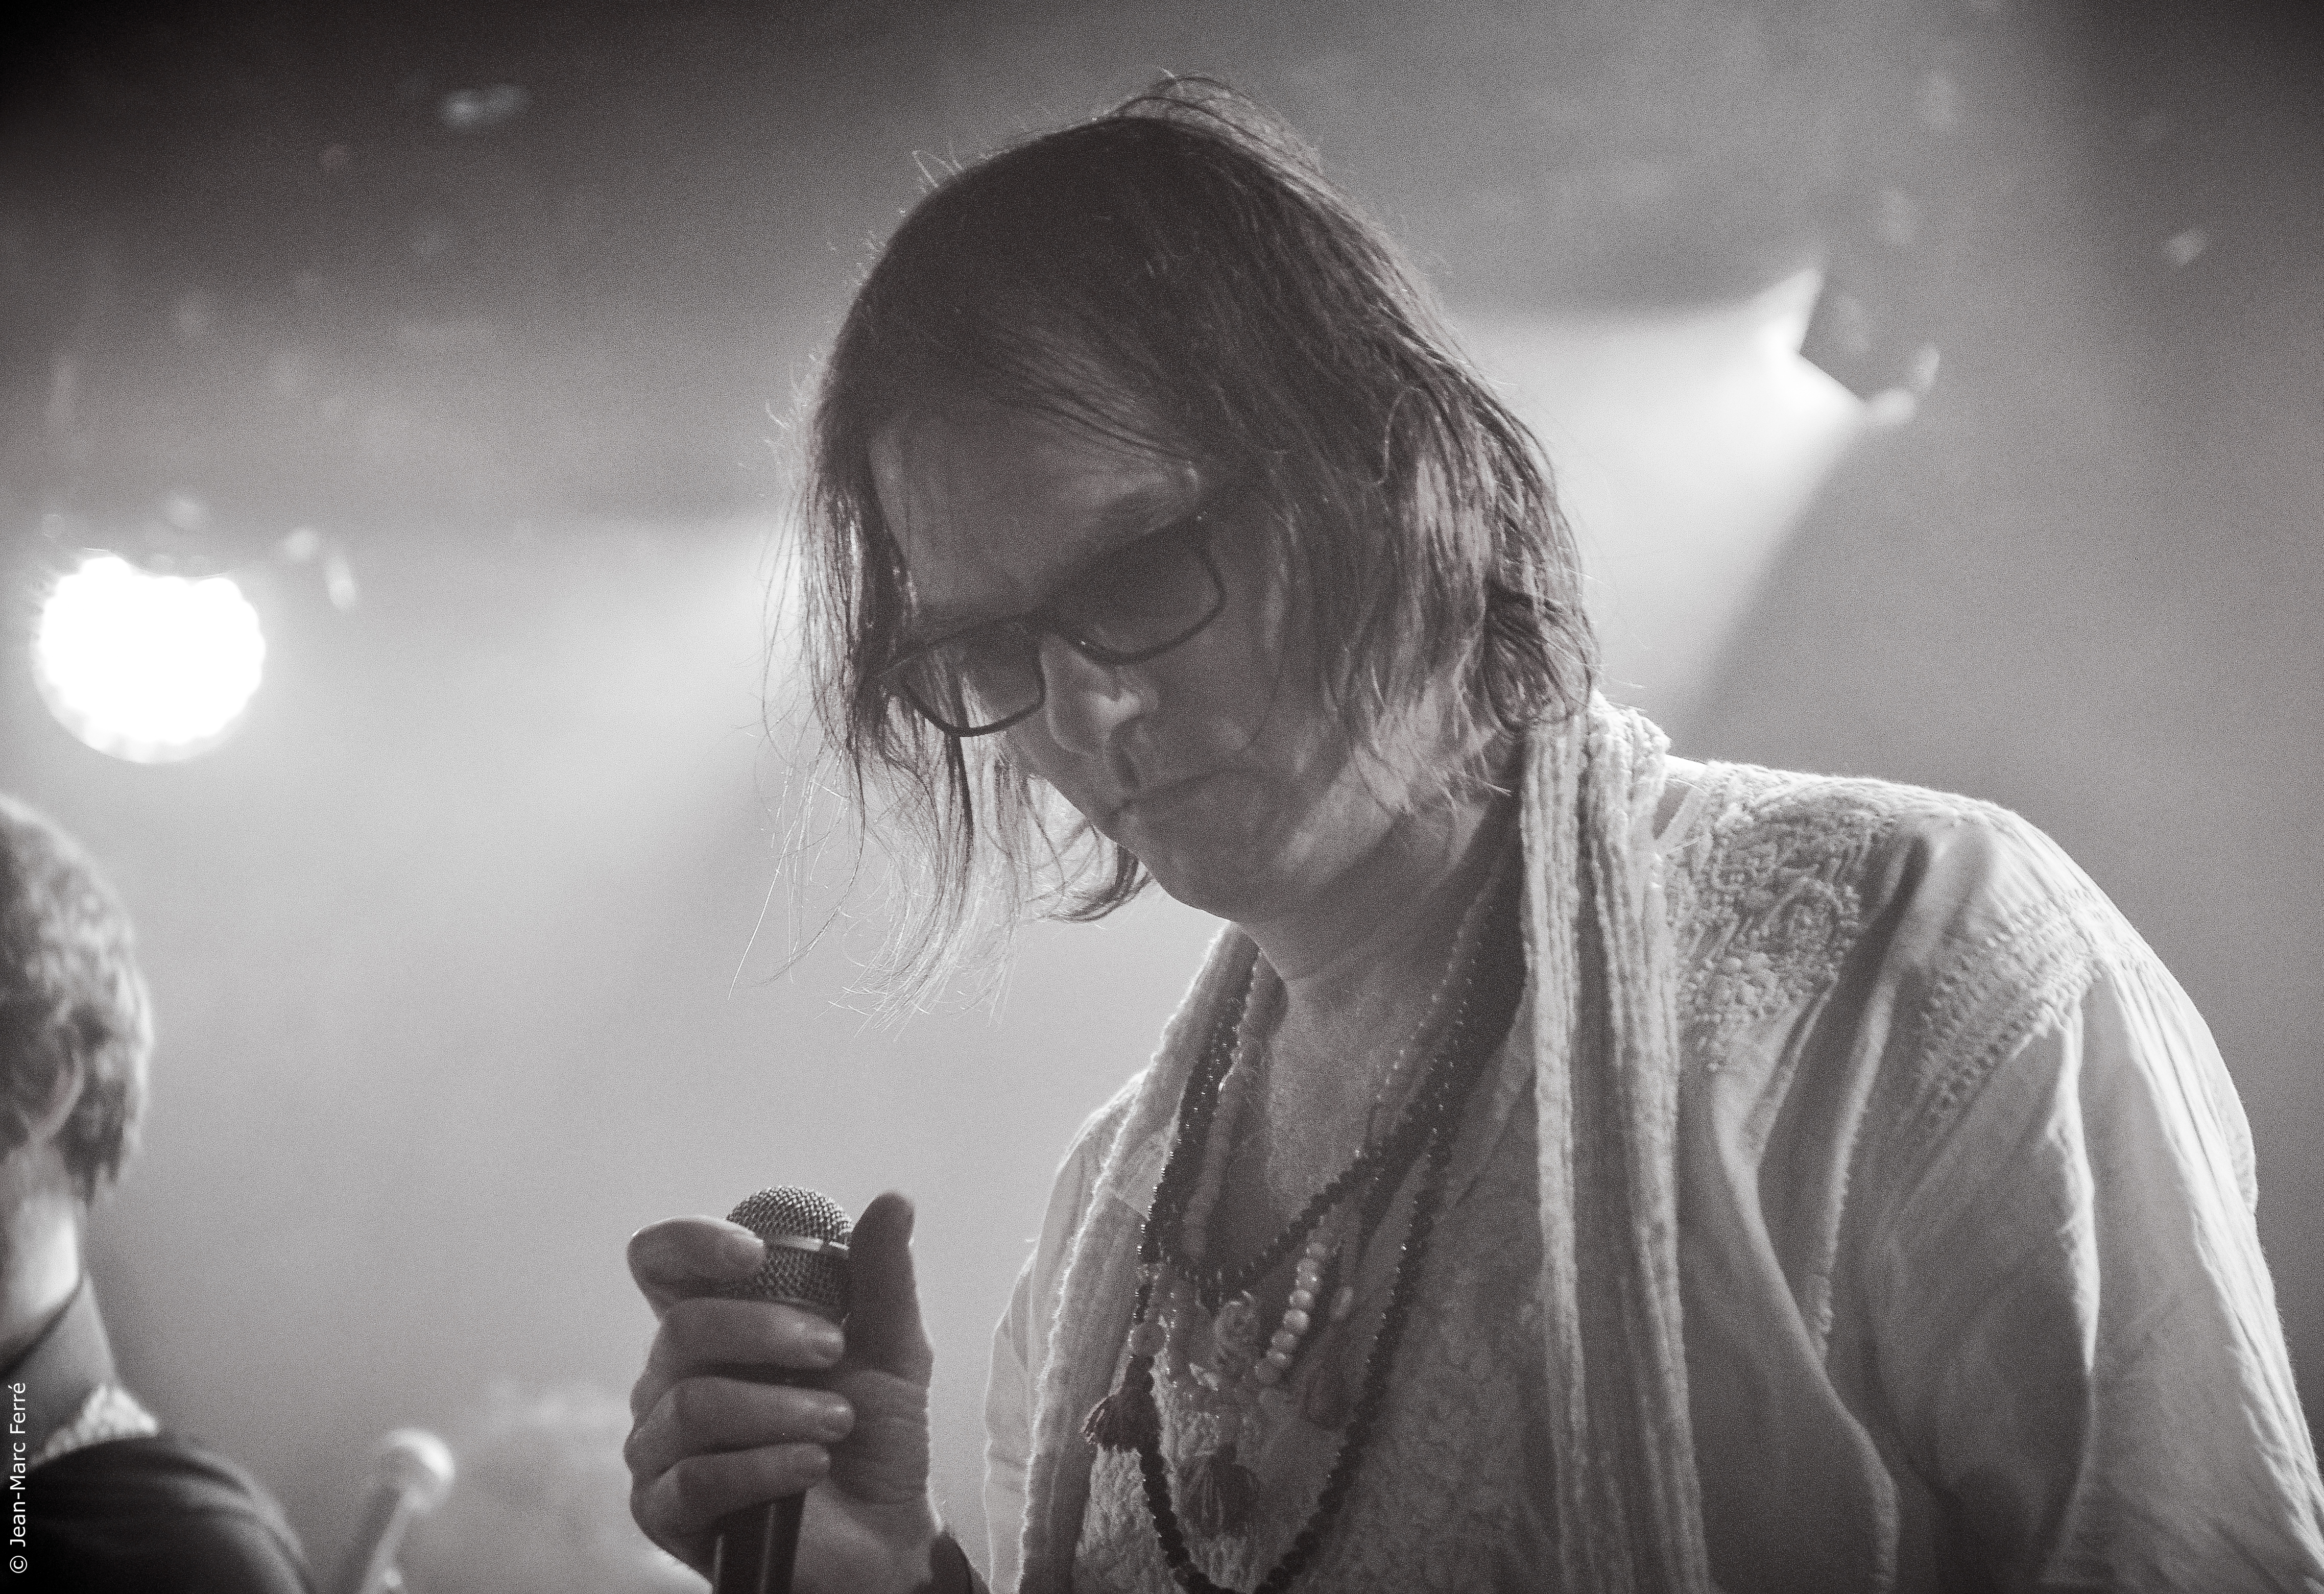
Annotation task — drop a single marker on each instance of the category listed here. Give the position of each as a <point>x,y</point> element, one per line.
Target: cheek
<point>1028,746</point>
<point>1234,687</point>
<point>1227,699</point>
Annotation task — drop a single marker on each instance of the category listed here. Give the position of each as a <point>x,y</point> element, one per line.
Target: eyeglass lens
<point>1147,598</point>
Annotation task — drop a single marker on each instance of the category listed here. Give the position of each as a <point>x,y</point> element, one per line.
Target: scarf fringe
<point>1628,1499</point>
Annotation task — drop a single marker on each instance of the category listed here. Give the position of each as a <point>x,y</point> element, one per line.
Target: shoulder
<point>1824,859</point>
<point>1755,825</point>
<point>1775,879</point>
<point>163,1512</point>
<point>1914,935</point>
<point>1977,926</point>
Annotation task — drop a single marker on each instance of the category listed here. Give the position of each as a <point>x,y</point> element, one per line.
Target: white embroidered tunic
<point>1972,1293</point>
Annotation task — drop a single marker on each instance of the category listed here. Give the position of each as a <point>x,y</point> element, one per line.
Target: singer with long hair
<point>1574,1166</point>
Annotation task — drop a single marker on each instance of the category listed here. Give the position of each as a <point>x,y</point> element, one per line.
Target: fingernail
<point>825,1342</point>
<point>742,1247</point>
<point>832,1420</point>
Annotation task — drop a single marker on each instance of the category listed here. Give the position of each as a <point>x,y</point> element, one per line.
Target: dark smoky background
<point>469,337</point>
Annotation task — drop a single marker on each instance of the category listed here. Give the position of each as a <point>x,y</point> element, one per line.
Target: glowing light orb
<point>147,667</point>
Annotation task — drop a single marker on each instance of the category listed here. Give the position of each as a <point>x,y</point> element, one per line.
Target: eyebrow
<point>1138,513</point>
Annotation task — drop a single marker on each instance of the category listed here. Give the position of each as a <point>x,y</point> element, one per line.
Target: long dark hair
<point>1177,276</point>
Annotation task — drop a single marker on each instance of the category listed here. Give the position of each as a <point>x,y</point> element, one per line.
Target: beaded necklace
<point>1175,1238</point>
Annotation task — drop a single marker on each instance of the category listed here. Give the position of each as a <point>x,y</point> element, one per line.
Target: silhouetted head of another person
<point>76,1029</point>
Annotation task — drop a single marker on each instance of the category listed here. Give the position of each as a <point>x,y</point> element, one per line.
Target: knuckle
<point>703,1329</point>
<point>804,1336</point>
<point>633,1451</point>
<point>681,1325</point>
<point>692,1404</point>
<point>780,1334</point>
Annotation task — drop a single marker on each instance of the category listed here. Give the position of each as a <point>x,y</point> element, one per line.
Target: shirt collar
<point>51,1382</point>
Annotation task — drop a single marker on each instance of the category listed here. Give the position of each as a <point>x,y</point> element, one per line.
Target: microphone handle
<point>371,1555</point>
<point>755,1548</point>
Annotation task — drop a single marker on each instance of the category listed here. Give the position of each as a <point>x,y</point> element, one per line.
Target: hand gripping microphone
<point>805,1267</point>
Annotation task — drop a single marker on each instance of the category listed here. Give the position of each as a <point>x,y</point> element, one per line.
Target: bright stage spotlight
<point>151,668</point>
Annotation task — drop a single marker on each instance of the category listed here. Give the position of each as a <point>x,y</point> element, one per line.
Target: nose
<point>1089,704</point>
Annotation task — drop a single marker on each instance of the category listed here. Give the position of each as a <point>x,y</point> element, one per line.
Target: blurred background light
<point>147,667</point>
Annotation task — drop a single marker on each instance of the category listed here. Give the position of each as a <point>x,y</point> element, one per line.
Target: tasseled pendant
<point>1218,1496</point>
<point>1126,1419</point>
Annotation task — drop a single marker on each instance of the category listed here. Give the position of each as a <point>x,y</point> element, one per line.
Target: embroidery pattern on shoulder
<point>1764,897</point>
<point>2019,975</point>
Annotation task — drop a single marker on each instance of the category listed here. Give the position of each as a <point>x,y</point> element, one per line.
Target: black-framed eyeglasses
<point>1132,604</point>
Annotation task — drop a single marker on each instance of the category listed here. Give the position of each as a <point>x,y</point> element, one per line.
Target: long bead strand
<point>1423,1134</point>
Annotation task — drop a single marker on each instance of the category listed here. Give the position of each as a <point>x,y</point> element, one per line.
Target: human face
<point>1215,762</point>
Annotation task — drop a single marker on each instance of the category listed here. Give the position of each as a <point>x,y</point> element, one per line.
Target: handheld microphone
<point>411,1473</point>
<point>806,1236</point>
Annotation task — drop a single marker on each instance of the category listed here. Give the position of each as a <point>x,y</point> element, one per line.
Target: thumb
<point>883,1319</point>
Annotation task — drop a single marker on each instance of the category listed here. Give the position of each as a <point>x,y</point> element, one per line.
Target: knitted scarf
<point>1598,1021</point>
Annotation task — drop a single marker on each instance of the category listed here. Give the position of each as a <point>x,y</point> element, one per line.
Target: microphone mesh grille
<point>414,1461</point>
<point>816,1280</point>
